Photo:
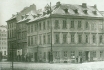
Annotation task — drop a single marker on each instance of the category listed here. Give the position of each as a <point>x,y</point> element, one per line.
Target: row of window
<point>44,26</point>
<point>3,48</point>
<point>81,38</point>
<point>11,33</point>
<point>3,34</point>
<point>11,25</point>
<point>80,53</point>
<point>3,43</point>
<point>4,52</point>
<point>32,40</point>
<point>22,35</point>
<point>3,38</point>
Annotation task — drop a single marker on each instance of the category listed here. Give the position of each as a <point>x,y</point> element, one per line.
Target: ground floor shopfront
<point>66,54</point>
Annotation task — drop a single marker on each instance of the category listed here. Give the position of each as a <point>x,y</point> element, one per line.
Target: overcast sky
<point>9,7</point>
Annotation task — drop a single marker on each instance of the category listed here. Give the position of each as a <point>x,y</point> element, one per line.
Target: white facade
<point>3,40</point>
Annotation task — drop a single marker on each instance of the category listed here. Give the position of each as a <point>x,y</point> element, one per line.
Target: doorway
<point>86,55</point>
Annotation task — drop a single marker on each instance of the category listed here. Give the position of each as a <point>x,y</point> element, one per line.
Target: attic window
<point>76,11</point>
<point>94,12</point>
<point>85,11</point>
<point>22,17</point>
<point>66,10</point>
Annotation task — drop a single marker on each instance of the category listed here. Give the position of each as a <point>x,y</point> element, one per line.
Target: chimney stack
<point>95,6</point>
<point>84,5</point>
<point>58,4</point>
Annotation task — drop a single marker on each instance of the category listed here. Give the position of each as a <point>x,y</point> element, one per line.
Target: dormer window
<point>85,11</point>
<point>22,17</point>
<point>76,11</point>
<point>94,12</point>
<point>66,10</point>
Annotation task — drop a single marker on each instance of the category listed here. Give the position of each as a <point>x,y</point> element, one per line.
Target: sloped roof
<point>71,11</point>
<point>71,8</point>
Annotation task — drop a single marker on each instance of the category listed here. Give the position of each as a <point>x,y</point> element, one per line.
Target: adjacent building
<point>17,32</point>
<point>3,41</point>
<point>68,31</point>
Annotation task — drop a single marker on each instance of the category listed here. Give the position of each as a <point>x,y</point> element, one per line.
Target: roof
<point>71,10</point>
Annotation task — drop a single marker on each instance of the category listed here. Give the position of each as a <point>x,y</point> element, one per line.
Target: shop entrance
<point>86,55</point>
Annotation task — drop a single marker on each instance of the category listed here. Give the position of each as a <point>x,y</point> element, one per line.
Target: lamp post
<point>12,56</point>
<point>51,51</point>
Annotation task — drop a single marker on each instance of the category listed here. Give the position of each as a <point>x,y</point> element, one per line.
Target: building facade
<point>77,31</point>
<point>65,30</point>
<point>3,41</point>
<point>17,33</point>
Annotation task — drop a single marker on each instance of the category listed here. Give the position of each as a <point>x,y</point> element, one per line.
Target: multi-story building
<point>77,31</point>
<point>17,32</point>
<point>68,31</point>
<point>3,40</point>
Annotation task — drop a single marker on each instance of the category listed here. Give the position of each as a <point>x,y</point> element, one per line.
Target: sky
<point>9,7</point>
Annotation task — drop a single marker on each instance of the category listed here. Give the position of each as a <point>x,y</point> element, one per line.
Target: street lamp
<point>51,52</point>
<point>12,56</point>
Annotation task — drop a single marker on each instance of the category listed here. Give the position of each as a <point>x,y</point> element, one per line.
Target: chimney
<point>95,6</point>
<point>58,4</point>
<point>84,5</point>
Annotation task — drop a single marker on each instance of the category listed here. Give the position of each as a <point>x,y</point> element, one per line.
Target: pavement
<point>53,66</point>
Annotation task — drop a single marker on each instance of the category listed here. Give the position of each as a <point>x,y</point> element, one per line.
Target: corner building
<point>77,31</point>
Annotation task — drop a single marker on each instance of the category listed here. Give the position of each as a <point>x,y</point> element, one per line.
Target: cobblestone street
<point>54,66</point>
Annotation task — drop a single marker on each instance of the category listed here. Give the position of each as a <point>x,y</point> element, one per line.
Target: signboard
<point>19,52</point>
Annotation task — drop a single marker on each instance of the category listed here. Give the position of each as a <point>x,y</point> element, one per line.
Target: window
<point>44,55</point>
<point>28,40</point>
<point>35,26</point>
<point>86,25</point>
<point>86,38</point>
<point>65,53</point>
<point>101,53</point>
<point>72,54</point>
<point>64,38</point>
<point>49,39</point>
<point>94,38</point>
<point>4,52</point>
<point>57,38</point>
<point>35,39</point>
<point>79,24</point>
<point>79,38</point>
<point>72,24</point>
<point>64,24</point>
<point>31,28</point>
<point>39,26</point>
<point>28,28</point>
<point>80,53</point>
<point>56,24</point>
<point>72,38</point>
<point>44,39</point>
<point>44,25</point>
<point>48,25</point>
<point>93,25</point>
<point>100,25</point>
<point>100,39</point>
<point>94,53</point>
<point>40,39</point>
<point>31,40</point>
<point>57,54</point>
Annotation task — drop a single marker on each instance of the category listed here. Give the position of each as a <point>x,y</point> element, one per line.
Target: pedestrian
<point>77,59</point>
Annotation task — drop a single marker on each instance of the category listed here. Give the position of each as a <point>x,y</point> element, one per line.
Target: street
<point>53,66</point>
